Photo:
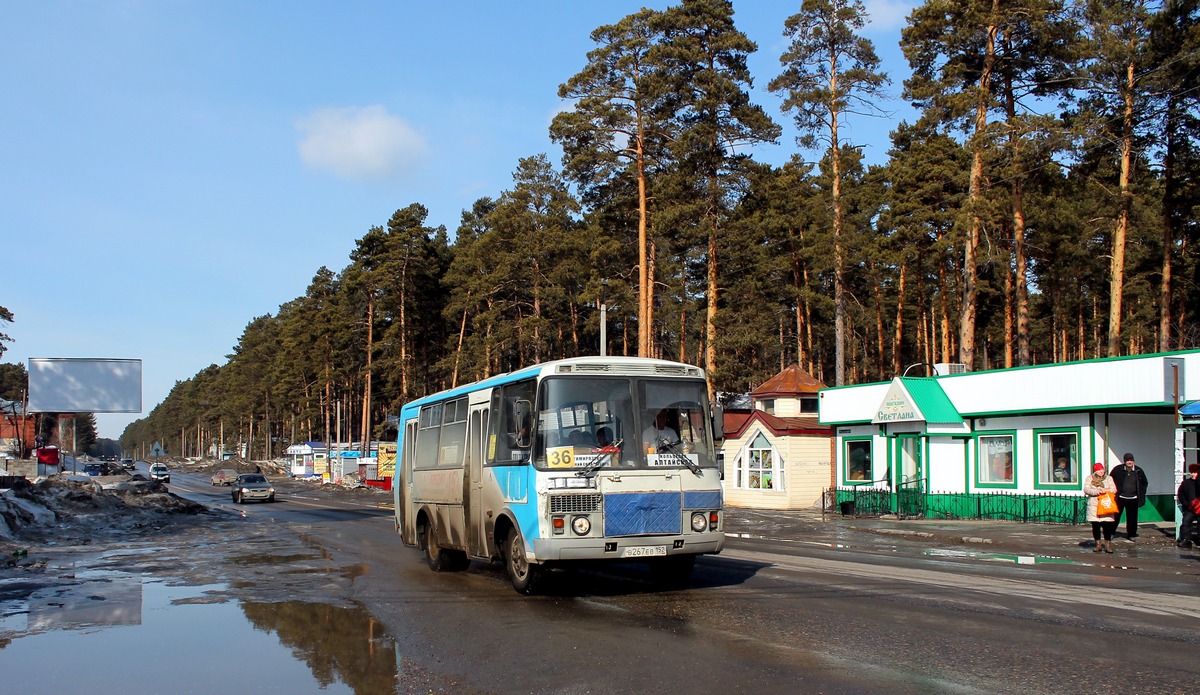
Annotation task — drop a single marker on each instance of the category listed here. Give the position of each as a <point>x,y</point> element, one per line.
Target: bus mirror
<point>522,420</point>
<point>718,422</point>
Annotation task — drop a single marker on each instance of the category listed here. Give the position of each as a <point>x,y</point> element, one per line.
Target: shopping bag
<point>1196,505</point>
<point>1106,504</point>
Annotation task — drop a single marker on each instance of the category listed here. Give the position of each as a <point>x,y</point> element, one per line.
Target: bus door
<point>405,508</point>
<point>477,424</point>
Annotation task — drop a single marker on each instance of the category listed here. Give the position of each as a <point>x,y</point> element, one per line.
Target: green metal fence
<point>911,501</point>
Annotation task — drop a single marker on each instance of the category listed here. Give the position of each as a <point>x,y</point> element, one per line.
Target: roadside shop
<point>1012,443</point>
<point>776,455</point>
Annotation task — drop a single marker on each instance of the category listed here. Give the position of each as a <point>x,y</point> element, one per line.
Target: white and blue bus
<point>590,458</point>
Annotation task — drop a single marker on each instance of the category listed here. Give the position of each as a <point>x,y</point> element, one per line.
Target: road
<point>762,617</point>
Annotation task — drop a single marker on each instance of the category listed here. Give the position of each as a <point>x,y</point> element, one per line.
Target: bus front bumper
<point>563,548</point>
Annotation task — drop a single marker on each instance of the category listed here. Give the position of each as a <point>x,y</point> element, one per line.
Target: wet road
<point>764,617</point>
<point>323,572</point>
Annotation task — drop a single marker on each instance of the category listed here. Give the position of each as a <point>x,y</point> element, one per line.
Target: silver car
<point>252,486</point>
<point>159,471</point>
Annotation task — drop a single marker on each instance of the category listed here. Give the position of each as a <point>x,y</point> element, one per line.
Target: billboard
<point>80,385</point>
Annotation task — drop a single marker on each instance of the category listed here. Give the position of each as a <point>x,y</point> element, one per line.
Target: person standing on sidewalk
<point>1131,494</point>
<point>1093,487</point>
<point>1188,492</point>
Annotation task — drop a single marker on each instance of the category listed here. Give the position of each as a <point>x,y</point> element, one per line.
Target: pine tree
<point>830,71</point>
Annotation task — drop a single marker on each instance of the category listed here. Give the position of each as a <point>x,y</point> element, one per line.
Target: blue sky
<point>171,169</point>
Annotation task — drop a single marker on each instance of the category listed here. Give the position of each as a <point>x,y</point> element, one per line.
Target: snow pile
<point>59,509</point>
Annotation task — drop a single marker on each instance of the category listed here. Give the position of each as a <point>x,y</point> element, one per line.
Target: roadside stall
<point>1011,443</point>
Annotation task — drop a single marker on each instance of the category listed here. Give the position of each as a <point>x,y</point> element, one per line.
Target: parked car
<point>252,486</point>
<point>225,476</point>
<point>93,469</point>
<point>159,471</point>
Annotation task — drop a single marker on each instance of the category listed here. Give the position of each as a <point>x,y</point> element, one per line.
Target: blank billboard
<point>77,385</point>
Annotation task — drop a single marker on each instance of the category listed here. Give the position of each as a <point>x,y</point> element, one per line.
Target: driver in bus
<point>659,434</point>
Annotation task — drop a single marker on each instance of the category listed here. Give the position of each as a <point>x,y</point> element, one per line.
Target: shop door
<point>908,479</point>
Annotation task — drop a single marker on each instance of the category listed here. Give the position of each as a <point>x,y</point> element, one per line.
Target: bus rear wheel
<point>524,576</point>
<point>438,558</point>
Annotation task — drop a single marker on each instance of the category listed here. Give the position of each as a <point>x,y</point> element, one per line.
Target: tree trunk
<point>462,331</point>
<point>877,292</point>
<point>365,423</point>
<point>899,335</point>
<point>798,280</point>
<point>644,280</point>
<point>1117,269</point>
<point>1165,342</point>
<point>966,344</point>
<point>839,290</point>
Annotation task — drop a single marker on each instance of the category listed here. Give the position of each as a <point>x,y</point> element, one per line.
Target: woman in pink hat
<point>1099,483</point>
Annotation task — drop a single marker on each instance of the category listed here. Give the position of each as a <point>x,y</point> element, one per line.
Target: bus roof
<point>592,365</point>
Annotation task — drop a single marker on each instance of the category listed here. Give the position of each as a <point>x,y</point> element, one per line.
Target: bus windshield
<point>615,422</point>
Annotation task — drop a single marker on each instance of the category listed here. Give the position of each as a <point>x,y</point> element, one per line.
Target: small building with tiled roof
<point>777,454</point>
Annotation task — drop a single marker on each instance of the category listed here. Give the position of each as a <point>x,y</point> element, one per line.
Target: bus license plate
<point>644,551</point>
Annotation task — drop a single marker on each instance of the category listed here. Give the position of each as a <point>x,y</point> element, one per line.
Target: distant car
<point>225,476</point>
<point>93,469</point>
<point>159,471</point>
<point>127,464</point>
<point>252,486</point>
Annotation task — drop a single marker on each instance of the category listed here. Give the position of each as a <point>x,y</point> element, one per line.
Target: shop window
<point>995,460</point>
<point>760,468</point>
<point>1058,458</point>
<point>858,460</point>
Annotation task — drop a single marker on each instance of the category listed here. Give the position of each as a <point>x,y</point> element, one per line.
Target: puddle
<point>113,632</point>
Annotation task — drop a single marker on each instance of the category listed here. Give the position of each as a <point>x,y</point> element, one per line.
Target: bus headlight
<point>581,525</point>
<point>699,522</point>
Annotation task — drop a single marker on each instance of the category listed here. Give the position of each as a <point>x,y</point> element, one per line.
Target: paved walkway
<point>1155,544</point>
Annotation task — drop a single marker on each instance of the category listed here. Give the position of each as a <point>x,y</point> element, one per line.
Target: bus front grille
<point>575,504</point>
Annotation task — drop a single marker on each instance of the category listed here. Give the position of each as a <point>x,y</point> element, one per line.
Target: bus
<point>582,459</point>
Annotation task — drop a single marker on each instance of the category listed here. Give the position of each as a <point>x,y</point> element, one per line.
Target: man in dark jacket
<point>1131,494</point>
<point>1189,490</point>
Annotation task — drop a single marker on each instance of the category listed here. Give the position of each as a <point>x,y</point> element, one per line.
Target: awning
<point>916,399</point>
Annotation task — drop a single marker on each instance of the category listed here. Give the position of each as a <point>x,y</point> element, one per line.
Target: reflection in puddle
<point>122,635</point>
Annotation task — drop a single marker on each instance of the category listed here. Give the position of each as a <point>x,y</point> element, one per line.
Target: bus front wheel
<point>524,576</point>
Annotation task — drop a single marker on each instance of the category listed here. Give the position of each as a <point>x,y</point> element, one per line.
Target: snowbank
<point>60,509</point>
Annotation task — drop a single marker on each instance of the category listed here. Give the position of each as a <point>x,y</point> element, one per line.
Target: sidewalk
<point>1155,543</point>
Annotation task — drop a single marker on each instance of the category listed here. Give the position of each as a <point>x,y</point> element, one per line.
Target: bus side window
<point>522,425</point>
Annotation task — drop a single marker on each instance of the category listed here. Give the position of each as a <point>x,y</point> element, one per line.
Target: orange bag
<point>1106,504</point>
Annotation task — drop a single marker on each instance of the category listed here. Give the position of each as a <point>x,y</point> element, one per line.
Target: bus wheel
<point>434,555</point>
<point>525,577</point>
<point>674,571</point>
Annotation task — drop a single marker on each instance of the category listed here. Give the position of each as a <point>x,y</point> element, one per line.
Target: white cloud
<point>888,14</point>
<point>360,143</point>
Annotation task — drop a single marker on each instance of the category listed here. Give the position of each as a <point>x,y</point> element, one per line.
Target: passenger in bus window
<point>603,437</point>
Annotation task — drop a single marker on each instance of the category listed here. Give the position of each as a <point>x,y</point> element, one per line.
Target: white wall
<point>946,465</point>
<point>1151,440</point>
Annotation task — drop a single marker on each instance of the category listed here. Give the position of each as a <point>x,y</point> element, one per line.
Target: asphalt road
<point>768,615</point>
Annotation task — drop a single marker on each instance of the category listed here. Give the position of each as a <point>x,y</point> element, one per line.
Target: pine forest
<point>1042,208</point>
